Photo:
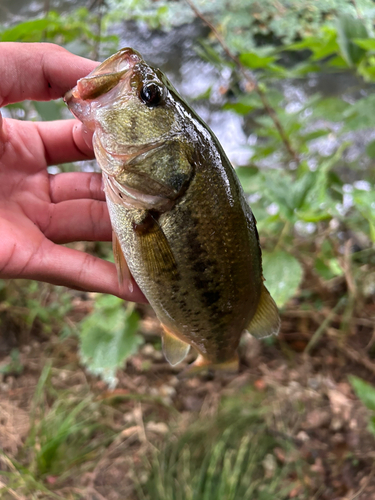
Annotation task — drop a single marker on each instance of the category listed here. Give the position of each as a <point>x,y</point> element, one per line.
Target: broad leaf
<point>254,61</point>
<point>283,274</point>
<point>348,30</point>
<point>364,391</point>
<point>108,337</point>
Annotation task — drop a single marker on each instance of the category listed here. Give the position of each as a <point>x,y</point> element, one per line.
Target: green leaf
<point>31,31</point>
<point>310,216</point>
<point>367,43</point>
<point>108,337</point>
<point>364,391</point>
<point>300,188</point>
<point>245,104</point>
<point>249,178</point>
<point>315,134</point>
<point>283,273</point>
<point>330,108</point>
<point>370,149</point>
<point>359,115</point>
<point>348,30</point>
<point>254,61</point>
<point>303,69</point>
<point>365,203</point>
<point>50,110</point>
<point>239,108</point>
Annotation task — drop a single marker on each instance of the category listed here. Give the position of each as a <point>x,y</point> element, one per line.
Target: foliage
<point>308,193</point>
<point>225,457</point>
<point>285,274</point>
<point>246,24</point>
<point>108,337</point>
<point>32,306</point>
<point>366,393</point>
<point>14,367</point>
<point>75,31</point>
<point>308,183</point>
<point>67,429</point>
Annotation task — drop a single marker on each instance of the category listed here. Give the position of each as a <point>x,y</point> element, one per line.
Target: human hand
<point>40,211</point>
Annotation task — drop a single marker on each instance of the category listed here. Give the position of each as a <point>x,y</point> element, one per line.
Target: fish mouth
<point>100,81</point>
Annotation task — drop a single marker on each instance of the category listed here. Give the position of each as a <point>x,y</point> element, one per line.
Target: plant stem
<point>319,332</point>
<point>253,84</point>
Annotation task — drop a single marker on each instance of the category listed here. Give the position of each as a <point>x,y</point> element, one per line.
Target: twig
<point>357,356</point>
<point>347,267</point>
<point>96,48</point>
<point>252,81</point>
<point>364,486</point>
<point>357,10</point>
<point>319,332</point>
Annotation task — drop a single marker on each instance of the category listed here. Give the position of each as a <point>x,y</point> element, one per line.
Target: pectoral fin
<point>174,349</point>
<point>156,254</point>
<point>266,320</point>
<point>122,268</point>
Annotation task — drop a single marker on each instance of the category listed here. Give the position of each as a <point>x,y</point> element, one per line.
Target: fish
<point>181,222</point>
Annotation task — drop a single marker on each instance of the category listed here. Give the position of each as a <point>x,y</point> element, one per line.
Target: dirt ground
<point>313,403</point>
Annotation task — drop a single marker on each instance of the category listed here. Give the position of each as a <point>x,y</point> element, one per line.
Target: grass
<point>73,438</point>
<point>227,457</point>
<point>68,432</point>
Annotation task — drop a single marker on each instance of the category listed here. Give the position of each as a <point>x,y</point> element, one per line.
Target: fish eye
<point>151,94</point>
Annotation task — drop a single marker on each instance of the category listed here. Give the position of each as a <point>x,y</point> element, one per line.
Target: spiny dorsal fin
<point>174,349</point>
<point>266,320</point>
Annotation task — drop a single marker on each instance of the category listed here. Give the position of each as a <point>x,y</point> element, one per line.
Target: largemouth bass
<point>180,219</point>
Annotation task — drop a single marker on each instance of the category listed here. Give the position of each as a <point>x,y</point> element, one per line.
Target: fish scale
<point>178,212</point>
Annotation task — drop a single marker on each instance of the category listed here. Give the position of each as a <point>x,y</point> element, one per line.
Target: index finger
<point>38,71</point>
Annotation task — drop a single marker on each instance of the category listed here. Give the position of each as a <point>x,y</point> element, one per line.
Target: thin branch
<point>359,15</point>
<point>100,4</point>
<point>253,84</point>
<point>325,324</point>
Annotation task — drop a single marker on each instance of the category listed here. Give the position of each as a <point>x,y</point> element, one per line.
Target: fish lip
<point>122,63</point>
<point>113,64</point>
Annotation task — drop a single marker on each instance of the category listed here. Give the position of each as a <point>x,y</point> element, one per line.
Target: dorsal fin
<point>266,320</point>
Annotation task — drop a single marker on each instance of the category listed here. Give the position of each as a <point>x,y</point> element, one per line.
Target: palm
<point>39,211</point>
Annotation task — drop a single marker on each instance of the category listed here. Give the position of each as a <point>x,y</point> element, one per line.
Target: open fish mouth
<point>101,81</point>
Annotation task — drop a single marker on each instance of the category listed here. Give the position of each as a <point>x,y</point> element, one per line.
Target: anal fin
<point>175,350</point>
<point>266,320</point>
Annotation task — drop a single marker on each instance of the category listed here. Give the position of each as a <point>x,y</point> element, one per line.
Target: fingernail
<point>83,138</point>
<point>87,136</point>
